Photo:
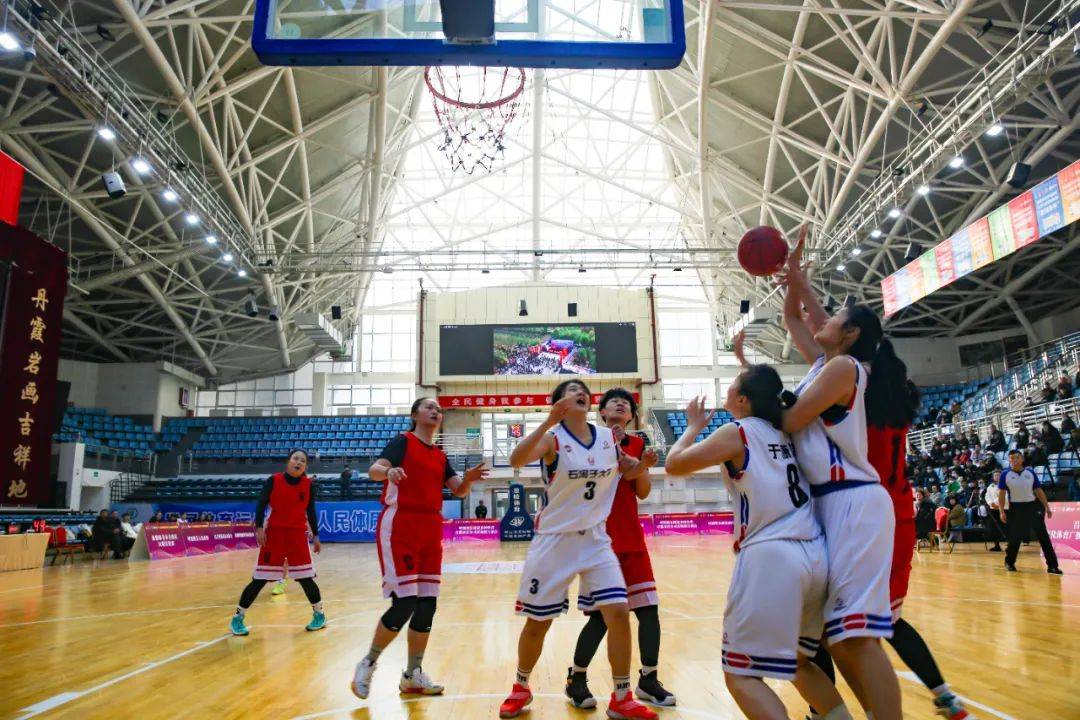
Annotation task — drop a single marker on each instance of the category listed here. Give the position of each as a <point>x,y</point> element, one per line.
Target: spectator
<point>1074,438</point>
<point>346,483</point>
<point>973,440</point>
<point>1064,388</point>
<point>1074,487</point>
<point>996,442</point>
<point>977,455</point>
<point>128,533</point>
<point>924,515</point>
<point>957,519</point>
<point>1051,438</point>
<point>481,510</point>
<point>1067,425</point>
<point>944,417</point>
<point>1076,379</point>
<point>105,534</point>
<point>1021,438</point>
<point>956,408</point>
<point>935,495</point>
<point>157,517</point>
<point>1036,455</point>
<point>995,523</point>
<point>1021,486</point>
<point>1047,394</point>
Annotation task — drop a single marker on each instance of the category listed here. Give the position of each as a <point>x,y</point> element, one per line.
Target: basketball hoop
<point>474,106</point>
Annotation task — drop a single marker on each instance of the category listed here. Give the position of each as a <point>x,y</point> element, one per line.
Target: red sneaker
<point>628,709</point>
<point>519,697</point>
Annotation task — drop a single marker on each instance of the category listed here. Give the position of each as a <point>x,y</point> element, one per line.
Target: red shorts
<point>638,575</point>
<point>410,552</point>
<point>284,546</point>
<point>903,550</point>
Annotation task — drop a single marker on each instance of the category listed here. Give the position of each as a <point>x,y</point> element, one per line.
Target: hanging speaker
<point>744,307</point>
<point>1018,175</point>
<point>571,309</point>
<point>335,312</point>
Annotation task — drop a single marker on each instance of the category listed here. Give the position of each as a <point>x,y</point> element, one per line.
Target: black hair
<point>560,390</point>
<point>415,408</point>
<point>1015,451</point>
<point>292,452</point>
<point>761,385</point>
<point>620,393</point>
<point>890,400</point>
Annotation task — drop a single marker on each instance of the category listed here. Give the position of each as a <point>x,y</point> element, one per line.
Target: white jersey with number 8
<point>773,498</point>
<point>581,483</point>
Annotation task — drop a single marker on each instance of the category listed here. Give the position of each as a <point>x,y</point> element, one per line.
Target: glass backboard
<point>643,34</point>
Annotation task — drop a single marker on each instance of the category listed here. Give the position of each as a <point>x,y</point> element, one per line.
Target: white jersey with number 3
<point>772,497</point>
<point>581,483</point>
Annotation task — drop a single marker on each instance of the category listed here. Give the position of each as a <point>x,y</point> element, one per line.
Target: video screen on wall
<point>538,349</point>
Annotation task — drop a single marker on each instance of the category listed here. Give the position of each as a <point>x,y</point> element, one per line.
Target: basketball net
<point>474,106</point>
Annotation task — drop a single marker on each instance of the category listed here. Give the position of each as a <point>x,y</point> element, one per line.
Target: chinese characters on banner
<point>1049,206</point>
<point>36,280</point>
<point>505,400</point>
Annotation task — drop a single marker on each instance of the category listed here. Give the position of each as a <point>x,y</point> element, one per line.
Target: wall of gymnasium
<point>150,390</point>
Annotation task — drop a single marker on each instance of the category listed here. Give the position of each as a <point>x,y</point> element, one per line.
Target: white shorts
<point>552,563</point>
<point>859,528</point>
<point>774,607</point>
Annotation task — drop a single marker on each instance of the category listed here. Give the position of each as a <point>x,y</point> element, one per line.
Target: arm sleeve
<point>451,479</point>
<point>1034,480</point>
<point>394,452</point>
<point>313,521</point>
<point>264,501</point>
<point>1001,480</point>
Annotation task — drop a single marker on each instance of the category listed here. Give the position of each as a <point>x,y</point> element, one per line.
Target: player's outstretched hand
<point>260,536</point>
<point>476,472</point>
<point>618,433</point>
<point>560,409</point>
<point>649,458</point>
<point>696,414</point>
<point>626,463</point>
<point>396,475</point>
<point>737,347</point>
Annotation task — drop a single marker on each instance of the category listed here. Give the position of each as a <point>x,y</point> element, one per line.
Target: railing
<point>1006,421</point>
<point>127,483</point>
<point>461,450</point>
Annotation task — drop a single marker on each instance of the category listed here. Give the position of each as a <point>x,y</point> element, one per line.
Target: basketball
<point>762,251</point>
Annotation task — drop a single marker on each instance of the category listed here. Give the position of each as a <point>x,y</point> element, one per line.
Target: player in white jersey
<point>582,465</point>
<point>828,426</point>
<point>772,622</point>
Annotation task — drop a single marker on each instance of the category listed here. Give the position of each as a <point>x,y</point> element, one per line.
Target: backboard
<point>641,34</point>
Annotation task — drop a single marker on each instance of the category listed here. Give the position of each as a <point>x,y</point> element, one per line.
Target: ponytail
<point>761,385</point>
<point>890,401</point>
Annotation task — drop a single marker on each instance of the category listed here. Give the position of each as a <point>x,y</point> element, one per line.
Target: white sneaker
<point>361,682</point>
<point>419,684</point>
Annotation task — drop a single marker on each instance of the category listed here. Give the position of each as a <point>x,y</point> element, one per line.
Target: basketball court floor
<point>149,640</point>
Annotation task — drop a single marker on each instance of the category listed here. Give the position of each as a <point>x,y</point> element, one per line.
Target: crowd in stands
<point>956,479</point>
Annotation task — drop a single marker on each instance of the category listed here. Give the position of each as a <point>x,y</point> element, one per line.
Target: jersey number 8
<point>796,493</point>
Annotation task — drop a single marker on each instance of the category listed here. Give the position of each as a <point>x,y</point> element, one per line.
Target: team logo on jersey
<point>606,445</point>
<point>592,460</point>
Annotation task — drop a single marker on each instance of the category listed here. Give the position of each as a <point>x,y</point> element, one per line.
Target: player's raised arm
<point>460,484</point>
<point>833,386</point>
<point>538,443</point>
<point>686,456</point>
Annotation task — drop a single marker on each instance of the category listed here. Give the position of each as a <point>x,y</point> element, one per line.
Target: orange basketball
<point>762,251</point>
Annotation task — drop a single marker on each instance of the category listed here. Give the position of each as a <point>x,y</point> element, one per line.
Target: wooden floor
<point>148,640</point>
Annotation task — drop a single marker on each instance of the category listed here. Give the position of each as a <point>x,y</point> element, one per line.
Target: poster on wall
<point>1049,206</point>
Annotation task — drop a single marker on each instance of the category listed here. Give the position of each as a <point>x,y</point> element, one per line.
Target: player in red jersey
<point>409,537</point>
<point>618,409</point>
<point>291,498</point>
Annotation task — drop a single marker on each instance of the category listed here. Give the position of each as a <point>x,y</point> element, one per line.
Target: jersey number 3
<point>590,490</point>
<point>795,492</point>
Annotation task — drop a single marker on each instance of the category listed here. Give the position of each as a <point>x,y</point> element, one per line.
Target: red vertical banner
<point>33,302</point>
<point>1025,225</point>
<point>11,185</point>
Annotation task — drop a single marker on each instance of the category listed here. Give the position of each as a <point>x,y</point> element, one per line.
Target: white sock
<point>941,689</point>
<point>577,669</point>
<point>622,686</point>
<point>646,669</point>
<point>840,712</point>
<point>240,610</point>
<point>522,677</point>
<point>317,607</point>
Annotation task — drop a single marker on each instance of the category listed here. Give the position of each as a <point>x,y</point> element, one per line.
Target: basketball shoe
<point>418,683</point>
<point>949,706</point>
<point>628,709</point>
<point>520,696</point>
<point>650,689</point>
<point>577,689</point>
<point>279,588</point>
<point>361,682</point>
<point>237,626</point>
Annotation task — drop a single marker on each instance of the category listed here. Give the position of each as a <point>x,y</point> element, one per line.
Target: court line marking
<point>64,698</point>
<point>396,701</point>
<point>911,677</point>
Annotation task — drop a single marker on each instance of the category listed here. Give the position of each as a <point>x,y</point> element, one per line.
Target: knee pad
<point>424,614</point>
<point>401,609</point>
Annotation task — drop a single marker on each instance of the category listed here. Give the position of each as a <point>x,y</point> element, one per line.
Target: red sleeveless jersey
<point>289,503</point>
<point>426,472</point>
<point>888,454</point>
<point>622,524</point>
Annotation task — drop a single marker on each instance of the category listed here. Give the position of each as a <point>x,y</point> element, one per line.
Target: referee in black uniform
<point>1022,488</point>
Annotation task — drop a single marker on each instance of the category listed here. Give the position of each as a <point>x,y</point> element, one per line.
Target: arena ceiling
<point>329,182</point>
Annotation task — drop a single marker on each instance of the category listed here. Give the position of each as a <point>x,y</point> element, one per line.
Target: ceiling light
<point>957,162</point>
<point>170,195</point>
<point>211,239</point>
<point>894,213</point>
<point>840,268</point>
<point>191,219</point>
<point>106,133</point>
<point>8,41</point>
<point>141,166</point>
<point>875,233</point>
<point>996,129</point>
<point>923,189</point>
<point>227,257</point>
<point>242,272</point>
<point>856,251</point>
